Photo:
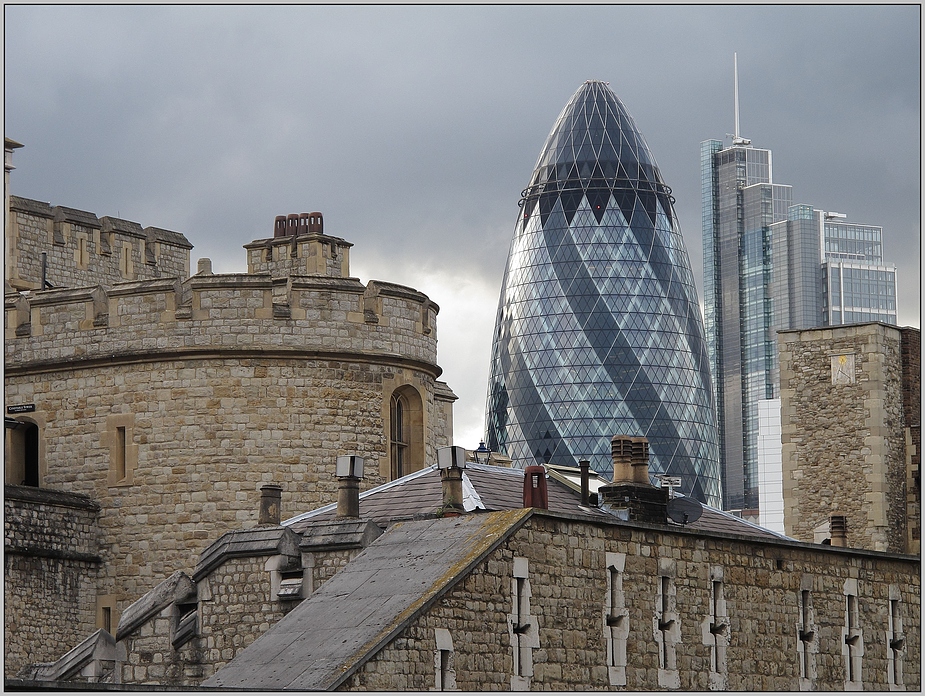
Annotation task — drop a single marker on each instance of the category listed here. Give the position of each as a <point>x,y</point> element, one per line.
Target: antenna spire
<point>736,138</point>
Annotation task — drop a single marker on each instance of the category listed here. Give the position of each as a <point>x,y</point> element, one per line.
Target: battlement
<point>66,247</point>
<point>228,311</point>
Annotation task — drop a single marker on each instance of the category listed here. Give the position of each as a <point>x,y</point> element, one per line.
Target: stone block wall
<point>236,607</point>
<point>51,561</point>
<point>912,410</point>
<point>82,250</point>
<point>566,565</point>
<point>151,659</point>
<point>842,433</point>
<point>205,435</point>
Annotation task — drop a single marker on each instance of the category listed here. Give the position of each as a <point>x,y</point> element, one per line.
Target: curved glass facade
<point>598,331</point>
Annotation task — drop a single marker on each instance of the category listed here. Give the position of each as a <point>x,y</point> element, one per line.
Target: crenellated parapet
<point>67,247</point>
<point>227,311</point>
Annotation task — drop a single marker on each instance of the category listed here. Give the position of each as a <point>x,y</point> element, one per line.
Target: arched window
<point>405,430</point>
<point>22,453</point>
<point>398,435</point>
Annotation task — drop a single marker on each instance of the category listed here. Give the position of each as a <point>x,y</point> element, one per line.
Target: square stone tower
<point>849,428</point>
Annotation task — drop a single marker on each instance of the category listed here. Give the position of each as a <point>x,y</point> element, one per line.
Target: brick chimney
<point>631,496</point>
<point>536,494</point>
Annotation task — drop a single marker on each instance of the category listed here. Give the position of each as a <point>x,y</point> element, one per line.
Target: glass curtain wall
<point>598,331</point>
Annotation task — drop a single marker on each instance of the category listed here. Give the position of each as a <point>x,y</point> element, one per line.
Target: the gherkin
<point>599,331</point>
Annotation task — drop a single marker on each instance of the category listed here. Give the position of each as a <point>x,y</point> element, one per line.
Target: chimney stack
<point>349,471</point>
<point>451,461</point>
<point>631,496</point>
<point>838,530</point>
<point>270,496</point>
<point>536,494</point>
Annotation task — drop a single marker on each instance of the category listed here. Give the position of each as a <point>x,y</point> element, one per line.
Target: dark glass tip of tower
<point>599,331</point>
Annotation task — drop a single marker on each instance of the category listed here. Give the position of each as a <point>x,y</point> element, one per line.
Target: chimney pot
<point>349,471</point>
<point>451,461</point>
<point>630,459</point>
<point>838,530</point>
<point>270,496</point>
<point>536,494</point>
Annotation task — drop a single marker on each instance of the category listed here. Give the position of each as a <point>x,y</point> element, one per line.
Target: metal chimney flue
<point>271,495</point>
<point>585,466</point>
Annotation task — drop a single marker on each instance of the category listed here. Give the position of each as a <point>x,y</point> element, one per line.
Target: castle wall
<point>172,402</point>
<point>51,559</point>
<point>207,434</point>
<point>564,564</point>
<point>81,249</point>
<point>842,433</point>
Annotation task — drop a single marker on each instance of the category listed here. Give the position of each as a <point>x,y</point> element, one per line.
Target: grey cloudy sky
<point>414,129</point>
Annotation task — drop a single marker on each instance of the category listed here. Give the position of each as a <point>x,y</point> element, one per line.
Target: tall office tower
<point>858,286</point>
<point>827,271</point>
<point>769,266</point>
<point>740,203</point>
<point>598,331</point>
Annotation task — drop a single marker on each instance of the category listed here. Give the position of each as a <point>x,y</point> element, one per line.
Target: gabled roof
<point>487,487</point>
<point>322,641</point>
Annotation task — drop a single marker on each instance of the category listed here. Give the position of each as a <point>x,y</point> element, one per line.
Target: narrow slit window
<point>119,454</point>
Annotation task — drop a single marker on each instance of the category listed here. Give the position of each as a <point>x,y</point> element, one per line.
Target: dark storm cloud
<point>414,129</point>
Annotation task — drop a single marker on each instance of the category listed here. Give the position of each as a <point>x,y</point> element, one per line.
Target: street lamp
<point>482,454</point>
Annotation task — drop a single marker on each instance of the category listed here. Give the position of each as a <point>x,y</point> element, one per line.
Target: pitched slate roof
<point>487,487</point>
<point>323,640</point>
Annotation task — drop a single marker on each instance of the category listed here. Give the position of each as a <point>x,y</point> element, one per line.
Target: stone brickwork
<point>172,400</point>
<point>567,568</point>
<point>151,659</point>
<point>912,410</point>
<point>83,250</point>
<point>51,560</point>
<point>842,433</point>
<point>236,606</point>
<point>209,433</point>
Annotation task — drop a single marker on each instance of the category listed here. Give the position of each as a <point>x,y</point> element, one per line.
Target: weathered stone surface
<point>843,437</point>
<point>215,391</point>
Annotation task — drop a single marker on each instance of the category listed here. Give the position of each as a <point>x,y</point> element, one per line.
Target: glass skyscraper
<point>740,203</point>
<point>598,331</point>
<point>771,265</point>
